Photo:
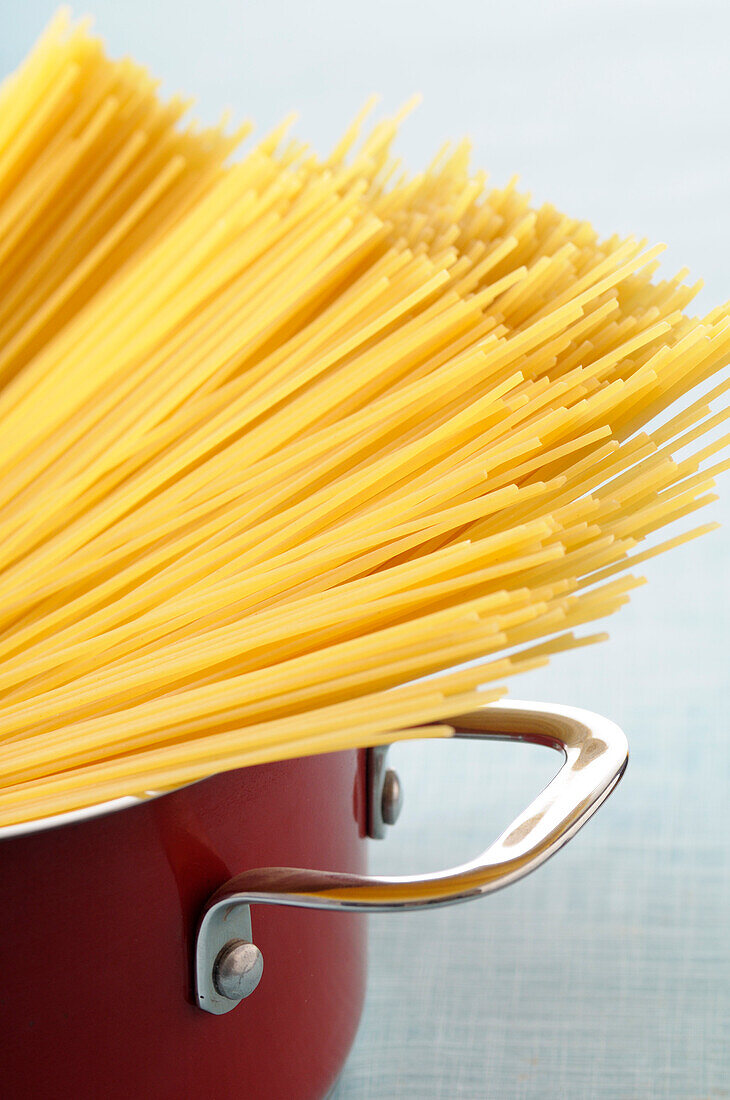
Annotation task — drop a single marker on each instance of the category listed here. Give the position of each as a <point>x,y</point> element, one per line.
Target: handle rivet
<point>392,801</point>
<point>237,969</point>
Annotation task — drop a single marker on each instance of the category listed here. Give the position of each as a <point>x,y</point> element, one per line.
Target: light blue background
<point>607,973</point>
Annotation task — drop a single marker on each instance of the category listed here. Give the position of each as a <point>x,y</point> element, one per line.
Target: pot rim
<point>85,813</point>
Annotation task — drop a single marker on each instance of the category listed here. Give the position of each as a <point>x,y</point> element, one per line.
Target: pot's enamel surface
<point>98,918</point>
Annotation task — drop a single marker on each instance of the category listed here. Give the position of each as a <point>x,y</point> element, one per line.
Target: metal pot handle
<point>228,966</point>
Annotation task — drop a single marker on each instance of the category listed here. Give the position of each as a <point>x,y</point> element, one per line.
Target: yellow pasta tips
<point>286,441</point>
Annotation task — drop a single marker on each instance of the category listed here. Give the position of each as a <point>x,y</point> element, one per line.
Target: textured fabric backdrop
<point>607,974</point>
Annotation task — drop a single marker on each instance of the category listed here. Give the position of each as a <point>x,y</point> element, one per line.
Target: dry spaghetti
<point>285,441</point>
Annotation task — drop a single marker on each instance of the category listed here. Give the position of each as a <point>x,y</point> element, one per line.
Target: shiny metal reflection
<point>596,755</point>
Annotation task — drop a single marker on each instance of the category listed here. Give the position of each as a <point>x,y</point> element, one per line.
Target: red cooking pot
<point>132,931</point>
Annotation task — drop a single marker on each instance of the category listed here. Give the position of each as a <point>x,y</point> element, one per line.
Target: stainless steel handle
<point>596,754</point>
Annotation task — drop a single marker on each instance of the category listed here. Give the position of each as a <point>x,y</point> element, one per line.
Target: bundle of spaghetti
<point>287,441</point>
